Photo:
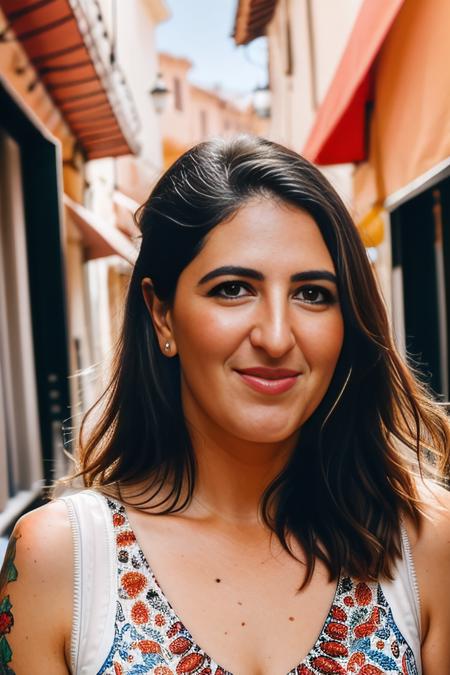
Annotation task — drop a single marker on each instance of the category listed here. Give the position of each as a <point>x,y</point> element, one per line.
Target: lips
<point>269,380</point>
<point>269,373</point>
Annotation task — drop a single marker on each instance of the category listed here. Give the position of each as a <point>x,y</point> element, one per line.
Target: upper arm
<point>432,560</point>
<point>36,594</point>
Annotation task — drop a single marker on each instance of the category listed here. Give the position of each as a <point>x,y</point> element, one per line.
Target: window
<point>420,228</point>
<point>177,93</point>
<point>34,372</point>
<point>20,449</point>
<point>289,53</point>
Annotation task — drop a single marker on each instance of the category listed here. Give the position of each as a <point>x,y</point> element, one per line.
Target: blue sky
<point>200,30</point>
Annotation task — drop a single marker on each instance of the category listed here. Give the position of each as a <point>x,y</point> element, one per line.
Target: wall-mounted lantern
<point>261,100</point>
<point>160,94</point>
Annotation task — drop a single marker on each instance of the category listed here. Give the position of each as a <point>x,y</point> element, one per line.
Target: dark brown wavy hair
<point>353,473</point>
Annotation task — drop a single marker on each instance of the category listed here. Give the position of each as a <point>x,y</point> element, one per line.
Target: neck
<point>233,474</point>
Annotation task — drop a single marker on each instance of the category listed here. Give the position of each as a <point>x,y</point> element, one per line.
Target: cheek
<point>321,341</point>
<point>207,335</point>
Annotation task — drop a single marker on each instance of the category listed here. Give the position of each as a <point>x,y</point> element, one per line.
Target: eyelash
<point>329,298</point>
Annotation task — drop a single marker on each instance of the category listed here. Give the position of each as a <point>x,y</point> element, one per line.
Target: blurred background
<point>98,97</point>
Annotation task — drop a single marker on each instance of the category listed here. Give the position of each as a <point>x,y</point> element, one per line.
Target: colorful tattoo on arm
<point>7,574</point>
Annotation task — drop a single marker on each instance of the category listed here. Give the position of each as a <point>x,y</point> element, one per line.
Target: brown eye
<point>315,295</point>
<point>312,295</point>
<point>230,289</point>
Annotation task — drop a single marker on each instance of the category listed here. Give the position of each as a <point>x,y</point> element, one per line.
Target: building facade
<point>194,114</point>
<point>76,131</point>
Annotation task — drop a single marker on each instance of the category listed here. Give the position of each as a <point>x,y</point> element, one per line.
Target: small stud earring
<point>167,347</point>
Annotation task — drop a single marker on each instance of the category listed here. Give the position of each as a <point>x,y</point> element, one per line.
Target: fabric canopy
<point>338,134</point>
<point>410,124</point>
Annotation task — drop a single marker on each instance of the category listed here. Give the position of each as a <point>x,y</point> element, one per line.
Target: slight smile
<point>269,380</point>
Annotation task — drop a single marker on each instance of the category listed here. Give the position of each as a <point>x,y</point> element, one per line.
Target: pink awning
<point>339,132</point>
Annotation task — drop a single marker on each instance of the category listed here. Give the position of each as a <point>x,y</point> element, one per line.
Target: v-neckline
<point>176,618</point>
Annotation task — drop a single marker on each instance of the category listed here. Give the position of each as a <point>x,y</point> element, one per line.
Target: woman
<point>264,443</point>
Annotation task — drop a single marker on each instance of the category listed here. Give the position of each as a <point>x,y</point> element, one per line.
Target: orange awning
<point>91,94</point>
<point>339,131</point>
<point>100,238</point>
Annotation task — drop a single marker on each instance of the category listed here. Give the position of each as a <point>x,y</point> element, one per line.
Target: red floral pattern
<point>6,622</point>
<point>125,538</point>
<point>359,635</point>
<point>140,612</point>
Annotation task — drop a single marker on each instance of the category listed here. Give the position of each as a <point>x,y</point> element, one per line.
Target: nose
<point>272,328</point>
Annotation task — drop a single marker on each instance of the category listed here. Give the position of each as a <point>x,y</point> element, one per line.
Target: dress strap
<point>95,580</point>
<point>402,594</point>
<point>412,577</point>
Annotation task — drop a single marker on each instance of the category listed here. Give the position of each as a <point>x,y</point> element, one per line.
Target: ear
<point>161,318</point>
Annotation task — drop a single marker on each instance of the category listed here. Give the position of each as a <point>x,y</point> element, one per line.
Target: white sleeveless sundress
<point>124,625</point>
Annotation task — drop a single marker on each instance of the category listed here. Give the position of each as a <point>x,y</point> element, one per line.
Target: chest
<point>189,601</point>
<point>239,599</point>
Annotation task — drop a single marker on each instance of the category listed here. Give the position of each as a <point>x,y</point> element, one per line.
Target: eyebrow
<point>233,270</point>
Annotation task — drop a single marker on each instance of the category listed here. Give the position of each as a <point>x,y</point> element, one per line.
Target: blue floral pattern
<point>359,635</point>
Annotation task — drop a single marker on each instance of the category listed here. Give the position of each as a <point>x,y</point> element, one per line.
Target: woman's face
<point>256,323</point>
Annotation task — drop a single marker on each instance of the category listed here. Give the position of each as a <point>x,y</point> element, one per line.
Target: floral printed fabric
<point>359,634</point>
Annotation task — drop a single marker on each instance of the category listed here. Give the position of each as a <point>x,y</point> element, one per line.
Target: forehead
<point>267,231</point>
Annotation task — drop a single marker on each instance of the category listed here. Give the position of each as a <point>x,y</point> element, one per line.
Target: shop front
<point>388,112</point>
<point>33,347</point>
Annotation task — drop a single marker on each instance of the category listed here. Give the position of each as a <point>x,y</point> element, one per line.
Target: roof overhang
<point>339,133</point>
<point>62,41</point>
<point>100,238</point>
<point>252,17</point>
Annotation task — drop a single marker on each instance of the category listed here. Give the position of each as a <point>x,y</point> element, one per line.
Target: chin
<point>267,430</point>
<point>269,439</point>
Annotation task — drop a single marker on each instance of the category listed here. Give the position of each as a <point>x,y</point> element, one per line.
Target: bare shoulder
<point>431,546</point>
<point>50,518</point>
<point>36,591</point>
<point>433,542</point>
<point>431,553</point>
<point>44,541</point>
